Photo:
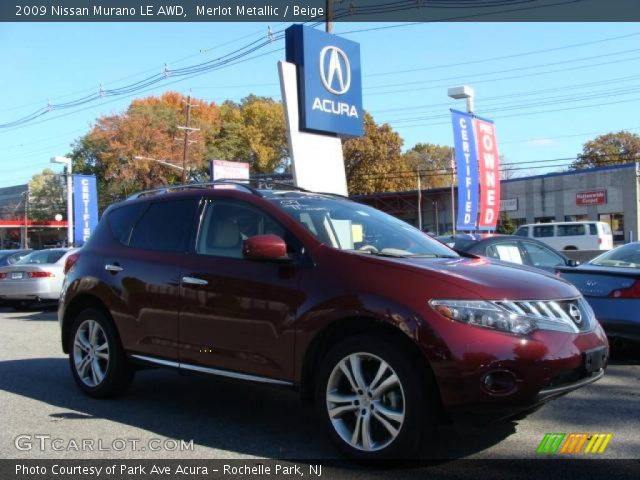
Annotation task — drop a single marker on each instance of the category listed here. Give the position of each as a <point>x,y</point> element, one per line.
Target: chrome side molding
<point>211,371</point>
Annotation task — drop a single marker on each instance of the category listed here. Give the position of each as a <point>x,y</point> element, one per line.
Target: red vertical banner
<point>489,169</point>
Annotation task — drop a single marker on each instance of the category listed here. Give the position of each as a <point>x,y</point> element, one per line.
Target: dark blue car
<point>611,285</point>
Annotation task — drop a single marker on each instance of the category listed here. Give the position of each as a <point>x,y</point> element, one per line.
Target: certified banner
<point>85,208</point>
<point>489,166</point>
<point>467,170</point>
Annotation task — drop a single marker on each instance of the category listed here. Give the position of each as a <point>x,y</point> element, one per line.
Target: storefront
<point>607,194</point>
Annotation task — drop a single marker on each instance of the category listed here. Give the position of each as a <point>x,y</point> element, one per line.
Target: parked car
<point>35,278</point>
<point>570,235</point>
<point>611,285</point>
<point>509,248</point>
<point>383,326</point>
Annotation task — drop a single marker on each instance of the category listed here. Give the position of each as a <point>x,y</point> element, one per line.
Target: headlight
<point>490,315</point>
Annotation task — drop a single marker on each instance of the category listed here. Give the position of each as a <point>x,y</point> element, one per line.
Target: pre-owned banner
<point>489,167</point>
<point>467,170</point>
<point>85,208</point>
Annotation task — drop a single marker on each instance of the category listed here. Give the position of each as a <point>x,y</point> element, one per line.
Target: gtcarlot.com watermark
<point>46,443</point>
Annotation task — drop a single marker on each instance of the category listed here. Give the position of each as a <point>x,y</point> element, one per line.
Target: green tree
<point>610,149</point>
<point>374,162</point>
<point>47,196</point>
<point>505,225</point>
<point>252,131</point>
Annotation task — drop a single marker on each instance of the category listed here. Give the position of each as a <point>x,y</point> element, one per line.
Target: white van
<point>570,235</point>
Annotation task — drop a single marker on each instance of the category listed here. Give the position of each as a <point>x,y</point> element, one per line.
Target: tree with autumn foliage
<point>148,128</point>
<point>374,162</point>
<point>610,149</point>
<point>433,162</point>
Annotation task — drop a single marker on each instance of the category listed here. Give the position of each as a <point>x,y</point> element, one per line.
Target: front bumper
<point>533,369</point>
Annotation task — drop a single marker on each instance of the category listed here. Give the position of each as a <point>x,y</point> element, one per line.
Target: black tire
<point>119,372</point>
<point>419,407</point>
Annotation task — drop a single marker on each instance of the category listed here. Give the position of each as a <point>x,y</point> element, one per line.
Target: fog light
<point>499,382</point>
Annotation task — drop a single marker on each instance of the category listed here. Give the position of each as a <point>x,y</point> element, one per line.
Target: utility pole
<point>453,201</point>
<point>419,201</point>
<point>187,131</point>
<point>329,9</point>
<point>25,239</point>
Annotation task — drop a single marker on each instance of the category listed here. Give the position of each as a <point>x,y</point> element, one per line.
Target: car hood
<point>490,279</point>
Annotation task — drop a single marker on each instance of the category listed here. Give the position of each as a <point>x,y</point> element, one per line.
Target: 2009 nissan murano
<point>383,327</point>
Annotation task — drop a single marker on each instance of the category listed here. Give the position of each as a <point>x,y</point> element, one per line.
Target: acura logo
<point>575,314</point>
<point>335,72</point>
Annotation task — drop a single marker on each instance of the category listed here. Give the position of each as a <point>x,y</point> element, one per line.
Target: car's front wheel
<point>372,399</point>
<point>98,362</point>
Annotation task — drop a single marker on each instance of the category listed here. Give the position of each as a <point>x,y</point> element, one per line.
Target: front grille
<point>574,311</point>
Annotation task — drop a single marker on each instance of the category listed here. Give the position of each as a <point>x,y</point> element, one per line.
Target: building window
<point>544,219</point>
<point>616,222</point>
<point>576,218</point>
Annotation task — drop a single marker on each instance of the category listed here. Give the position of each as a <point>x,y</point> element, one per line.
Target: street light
<point>466,92</point>
<point>67,162</point>
<point>163,162</point>
<point>458,93</point>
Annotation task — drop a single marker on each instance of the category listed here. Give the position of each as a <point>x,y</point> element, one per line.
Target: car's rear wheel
<point>372,399</point>
<point>97,359</point>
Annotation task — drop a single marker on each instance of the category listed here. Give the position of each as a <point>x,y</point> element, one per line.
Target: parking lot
<point>228,419</point>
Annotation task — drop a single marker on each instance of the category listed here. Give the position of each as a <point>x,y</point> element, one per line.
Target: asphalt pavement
<point>43,409</point>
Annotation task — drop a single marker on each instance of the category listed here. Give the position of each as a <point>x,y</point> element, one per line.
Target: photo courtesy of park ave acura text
<point>341,239</point>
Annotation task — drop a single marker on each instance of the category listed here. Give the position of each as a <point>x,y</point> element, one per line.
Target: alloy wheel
<point>365,401</point>
<point>91,353</point>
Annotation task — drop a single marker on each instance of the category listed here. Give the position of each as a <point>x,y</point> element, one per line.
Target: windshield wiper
<point>430,255</point>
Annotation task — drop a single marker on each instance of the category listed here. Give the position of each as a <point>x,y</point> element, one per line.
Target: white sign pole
<point>316,160</point>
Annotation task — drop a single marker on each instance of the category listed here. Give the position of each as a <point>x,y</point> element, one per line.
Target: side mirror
<point>572,263</point>
<point>264,247</point>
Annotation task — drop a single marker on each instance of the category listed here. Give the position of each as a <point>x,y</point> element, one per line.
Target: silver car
<point>35,278</point>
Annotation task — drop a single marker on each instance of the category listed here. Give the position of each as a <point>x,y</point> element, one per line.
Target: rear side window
<point>165,226</point>
<point>522,232</point>
<point>543,231</point>
<point>122,219</point>
<point>571,230</point>
<point>593,229</point>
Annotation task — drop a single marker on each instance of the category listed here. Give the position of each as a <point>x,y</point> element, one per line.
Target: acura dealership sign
<point>329,81</point>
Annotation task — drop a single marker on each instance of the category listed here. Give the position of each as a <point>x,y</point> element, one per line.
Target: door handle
<point>194,281</point>
<point>115,268</point>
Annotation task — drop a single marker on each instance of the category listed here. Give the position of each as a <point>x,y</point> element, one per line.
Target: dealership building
<point>608,194</point>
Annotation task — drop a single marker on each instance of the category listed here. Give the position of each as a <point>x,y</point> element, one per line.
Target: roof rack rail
<point>171,188</point>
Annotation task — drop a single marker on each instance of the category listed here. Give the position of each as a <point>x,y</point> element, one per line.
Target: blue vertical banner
<point>85,208</point>
<point>467,170</point>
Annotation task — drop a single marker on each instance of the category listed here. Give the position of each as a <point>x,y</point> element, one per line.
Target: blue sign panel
<point>467,169</point>
<point>329,81</point>
<point>85,208</point>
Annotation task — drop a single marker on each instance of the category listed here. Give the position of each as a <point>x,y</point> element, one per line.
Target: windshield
<point>42,257</point>
<point>626,256</point>
<point>347,225</point>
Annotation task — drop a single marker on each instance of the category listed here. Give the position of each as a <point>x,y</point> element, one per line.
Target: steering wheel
<point>368,248</point>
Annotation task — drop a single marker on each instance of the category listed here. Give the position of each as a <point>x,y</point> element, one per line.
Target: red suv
<point>385,328</point>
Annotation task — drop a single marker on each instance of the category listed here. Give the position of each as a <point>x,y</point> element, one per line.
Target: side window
<point>571,230</point>
<point>505,251</point>
<point>122,219</point>
<point>522,232</point>
<point>593,229</point>
<point>165,226</point>
<point>226,224</point>
<point>540,256</point>
<point>543,231</point>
